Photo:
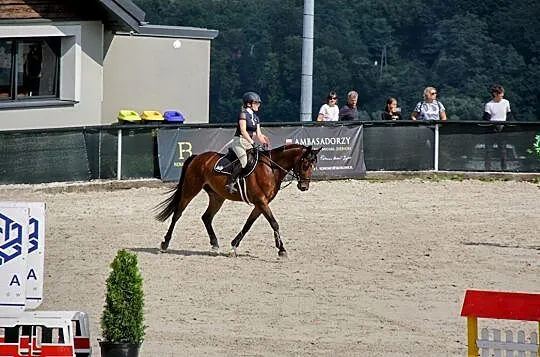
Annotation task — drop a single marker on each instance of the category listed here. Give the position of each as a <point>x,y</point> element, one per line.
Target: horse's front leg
<point>265,210</point>
<point>275,226</point>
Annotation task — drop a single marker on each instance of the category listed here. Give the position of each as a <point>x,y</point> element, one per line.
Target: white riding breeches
<point>239,146</point>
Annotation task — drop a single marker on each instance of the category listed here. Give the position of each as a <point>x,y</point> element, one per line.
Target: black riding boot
<point>236,171</point>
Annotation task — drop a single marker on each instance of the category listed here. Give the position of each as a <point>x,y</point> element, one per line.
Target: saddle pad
<point>226,162</point>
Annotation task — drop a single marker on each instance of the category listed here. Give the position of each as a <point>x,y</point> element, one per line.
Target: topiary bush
<point>122,320</point>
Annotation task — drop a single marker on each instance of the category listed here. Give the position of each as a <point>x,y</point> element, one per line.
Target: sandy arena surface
<point>374,268</point>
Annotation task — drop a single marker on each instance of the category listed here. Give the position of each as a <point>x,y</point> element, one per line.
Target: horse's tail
<point>171,204</point>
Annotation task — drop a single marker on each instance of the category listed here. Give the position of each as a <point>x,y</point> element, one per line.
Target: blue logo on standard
<point>11,239</point>
<point>33,235</point>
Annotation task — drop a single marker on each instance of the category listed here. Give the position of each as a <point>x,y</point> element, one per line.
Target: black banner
<point>176,145</point>
<point>342,153</point>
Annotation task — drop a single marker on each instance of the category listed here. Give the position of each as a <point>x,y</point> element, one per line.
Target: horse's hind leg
<point>165,244</point>
<point>190,190</point>
<point>214,205</point>
<point>247,226</point>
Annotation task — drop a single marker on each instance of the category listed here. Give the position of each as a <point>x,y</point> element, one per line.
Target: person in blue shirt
<point>248,128</point>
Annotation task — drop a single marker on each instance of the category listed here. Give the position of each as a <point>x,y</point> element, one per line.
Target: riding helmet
<point>250,97</point>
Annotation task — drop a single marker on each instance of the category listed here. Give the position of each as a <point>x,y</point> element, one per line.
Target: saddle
<point>228,161</point>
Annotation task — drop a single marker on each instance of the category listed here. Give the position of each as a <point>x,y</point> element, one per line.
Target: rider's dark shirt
<point>251,123</point>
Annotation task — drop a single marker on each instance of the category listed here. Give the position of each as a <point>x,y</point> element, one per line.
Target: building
<point>71,63</point>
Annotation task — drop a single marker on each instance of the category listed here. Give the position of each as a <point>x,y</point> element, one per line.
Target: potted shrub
<point>122,320</point>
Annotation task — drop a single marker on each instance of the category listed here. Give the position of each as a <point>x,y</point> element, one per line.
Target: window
<point>29,68</point>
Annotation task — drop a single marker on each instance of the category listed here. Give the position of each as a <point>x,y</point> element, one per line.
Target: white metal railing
<point>491,344</point>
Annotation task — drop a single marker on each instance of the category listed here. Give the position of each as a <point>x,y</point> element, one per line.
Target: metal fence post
<point>436,149</point>
<point>119,156</point>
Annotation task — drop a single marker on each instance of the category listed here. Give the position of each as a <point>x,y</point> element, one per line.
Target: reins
<point>287,172</point>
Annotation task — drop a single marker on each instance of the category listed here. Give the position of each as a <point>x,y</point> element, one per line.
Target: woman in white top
<point>430,108</point>
<point>330,110</point>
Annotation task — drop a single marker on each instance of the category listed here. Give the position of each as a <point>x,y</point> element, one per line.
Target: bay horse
<point>262,185</point>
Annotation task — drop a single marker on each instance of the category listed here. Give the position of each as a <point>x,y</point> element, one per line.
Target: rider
<point>247,127</point>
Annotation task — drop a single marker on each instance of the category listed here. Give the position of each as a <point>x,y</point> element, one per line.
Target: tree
<point>459,46</point>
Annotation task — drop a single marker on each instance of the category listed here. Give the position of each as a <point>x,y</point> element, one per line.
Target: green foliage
<point>461,47</point>
<point>470,109</point>
<point>122,319</point>
<point>536,146</point>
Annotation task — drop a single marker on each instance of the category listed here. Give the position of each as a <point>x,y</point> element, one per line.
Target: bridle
<point>295,170</point>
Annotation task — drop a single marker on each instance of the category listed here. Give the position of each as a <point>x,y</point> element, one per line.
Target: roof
<point>177,31</point>
<point>501,305</point>
<point>126,13</point>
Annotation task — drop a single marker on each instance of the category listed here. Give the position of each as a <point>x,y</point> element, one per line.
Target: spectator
<point>430,108</point>
<point>496,110</point>
<point>330,110</point>
<point>349,111</point>
<point>391,110</point>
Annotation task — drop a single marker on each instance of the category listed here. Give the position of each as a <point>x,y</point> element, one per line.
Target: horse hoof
<point>214,251</point>
<point>282,254</point>
<point>164,247</point>
<point>232,253</point>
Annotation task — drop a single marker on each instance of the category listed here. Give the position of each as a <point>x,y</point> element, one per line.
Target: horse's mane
<point>288,147</point>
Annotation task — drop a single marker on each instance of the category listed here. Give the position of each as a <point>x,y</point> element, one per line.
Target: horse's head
<point>303,168</point>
